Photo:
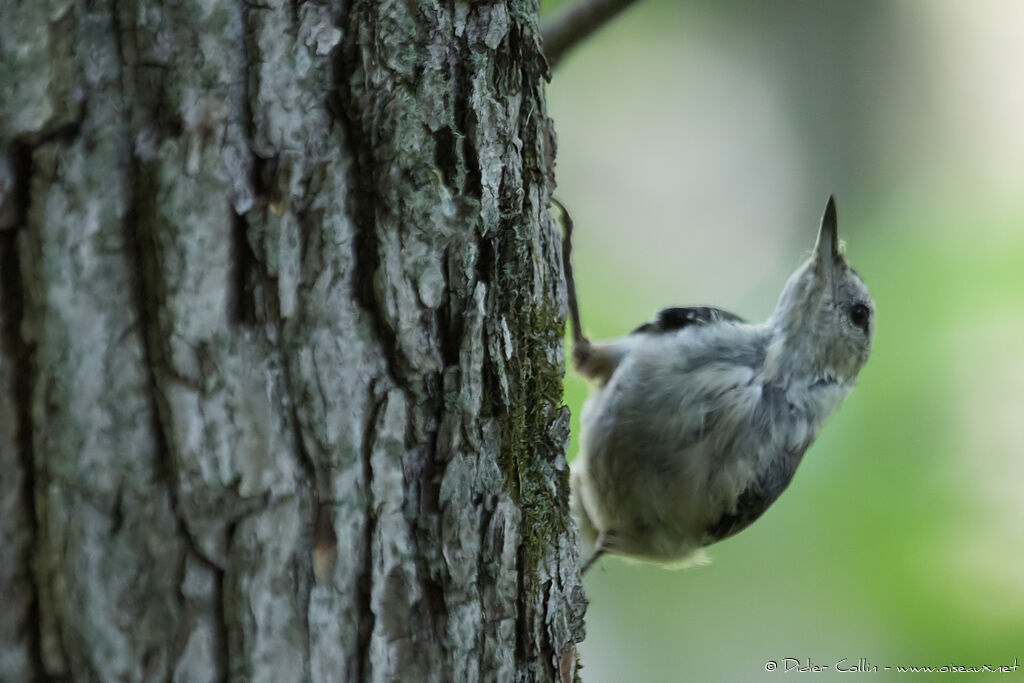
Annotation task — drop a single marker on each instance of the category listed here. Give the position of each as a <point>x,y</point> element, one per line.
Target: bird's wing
<point>670,319</point>
<point>759,494</point>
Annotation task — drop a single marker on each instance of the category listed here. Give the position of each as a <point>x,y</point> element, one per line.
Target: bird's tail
<point>590,545</point>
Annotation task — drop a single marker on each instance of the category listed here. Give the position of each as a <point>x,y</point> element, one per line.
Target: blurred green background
<point>697,143</point>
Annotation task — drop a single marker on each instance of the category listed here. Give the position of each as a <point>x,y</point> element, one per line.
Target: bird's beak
<point>826,250</point>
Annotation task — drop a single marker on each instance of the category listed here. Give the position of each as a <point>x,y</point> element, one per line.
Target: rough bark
<point>280,371</point>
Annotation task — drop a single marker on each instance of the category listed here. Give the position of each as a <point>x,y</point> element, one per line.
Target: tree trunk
<point>281,351</point>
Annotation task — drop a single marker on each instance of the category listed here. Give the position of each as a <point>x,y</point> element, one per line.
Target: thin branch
<point>573,25</point>
<point>570,281</point>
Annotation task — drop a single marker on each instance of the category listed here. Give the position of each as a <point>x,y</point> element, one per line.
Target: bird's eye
<point>859,314</point>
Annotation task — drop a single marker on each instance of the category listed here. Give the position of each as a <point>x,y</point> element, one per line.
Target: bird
<point>698,419</point>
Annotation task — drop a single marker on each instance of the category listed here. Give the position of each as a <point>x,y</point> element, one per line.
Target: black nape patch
<point>670,319</point>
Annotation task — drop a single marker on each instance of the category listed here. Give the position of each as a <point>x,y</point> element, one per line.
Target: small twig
<point>581,346</point>
<point>576,23</point>
<point>570,280</point>
<point>593,558</point>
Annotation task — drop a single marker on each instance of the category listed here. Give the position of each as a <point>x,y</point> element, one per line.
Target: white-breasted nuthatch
<point>700,419</point>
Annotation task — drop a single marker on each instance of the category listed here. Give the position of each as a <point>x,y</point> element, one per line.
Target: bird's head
<point>825,317</point>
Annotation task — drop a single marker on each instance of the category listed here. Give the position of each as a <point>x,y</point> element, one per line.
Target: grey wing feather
<point>670,319</point>
<point>759,495</point>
